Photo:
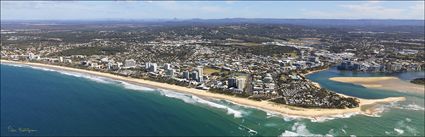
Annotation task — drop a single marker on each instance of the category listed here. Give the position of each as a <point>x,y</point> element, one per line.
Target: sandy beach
<point>314,71</point>
<point>263,105</point>
<point>387,83</point>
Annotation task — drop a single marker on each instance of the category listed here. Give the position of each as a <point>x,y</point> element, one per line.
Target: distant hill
<point>317,22</point>
<point>305,22</point>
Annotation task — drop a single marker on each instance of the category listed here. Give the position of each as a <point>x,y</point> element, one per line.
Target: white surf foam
<point>343,131</point>
<point>402,127</point>
<point>272,114</point>
<point>249,130</point>
<point>339,131</point>
<point>194,99</point>
<point>396,131</point>
<point>332,132</point>
<point>406,127</point>
<point>299,129</point>
<point>377,111</point>
<point>135,87</point>
<point>28,66</point>
<point>75,74</point>
<point>411,130</point>
<point>413,107</point>
<point>90,77</point>
<point>332,117</point>
<point>399,131</point>
<point>186,98</point>
<point>41,68</point>
<point>13,65</point>
<point>397,105</point>
<point>286,118</point>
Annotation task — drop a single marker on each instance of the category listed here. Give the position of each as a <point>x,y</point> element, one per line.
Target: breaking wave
<point>286,118</point>
<point>399,131</point>
<point>396,131</point>
<point>377,111</point>
<point>339,132</point>
<point>402,128</point>
<point>332,117</point>
<point>135,87</point>
<point>90,77</point>
<point>272,114</point>
<point>299,129</point>
<point>41,68</point>
<point>194,99</point>
<point>74,74</point>
<point>13,65</point>
<point>186,98</point>
<point>250,131</point>
<point>413,107</point>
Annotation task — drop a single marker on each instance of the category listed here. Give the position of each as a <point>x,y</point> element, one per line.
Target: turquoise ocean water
<point>65,103</point>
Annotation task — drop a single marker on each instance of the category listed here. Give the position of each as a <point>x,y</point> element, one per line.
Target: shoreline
<point>314,71</point>
<point>385,83</point>
<point>285,110</point>
<point>317,84</point>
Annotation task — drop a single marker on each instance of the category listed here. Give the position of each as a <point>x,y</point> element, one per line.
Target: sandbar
<point>387,83</point>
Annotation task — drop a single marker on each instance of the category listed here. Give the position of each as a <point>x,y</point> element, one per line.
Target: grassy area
<point>249,44</point>
<point>293,54</point>
<point>208,71</point>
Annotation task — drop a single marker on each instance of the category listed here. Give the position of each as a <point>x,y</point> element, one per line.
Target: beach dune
<point>262,105</point>
<point>387,83</point>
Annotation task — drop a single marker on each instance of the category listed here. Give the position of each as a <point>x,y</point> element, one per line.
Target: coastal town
<point>261,67</point>
<point>231,68</point>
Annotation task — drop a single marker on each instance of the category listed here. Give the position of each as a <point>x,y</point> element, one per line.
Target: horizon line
<point>188,19</point>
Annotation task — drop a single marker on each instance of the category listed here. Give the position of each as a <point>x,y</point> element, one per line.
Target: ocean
<point>36,101</point>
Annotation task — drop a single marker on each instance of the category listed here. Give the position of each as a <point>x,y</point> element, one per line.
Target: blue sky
<point>71,10</point>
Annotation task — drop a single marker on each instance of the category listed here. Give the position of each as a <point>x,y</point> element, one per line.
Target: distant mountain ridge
<point>321,22</point>
<point>305,22</point>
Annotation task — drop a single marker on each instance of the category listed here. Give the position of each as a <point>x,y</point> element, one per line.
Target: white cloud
<point>193,7</point>
<point>417,10</point>
<point>230,1</point>
<point>373,1</point>
<point>213,9</point>
<point>371,10</point>
<point>208,9</point>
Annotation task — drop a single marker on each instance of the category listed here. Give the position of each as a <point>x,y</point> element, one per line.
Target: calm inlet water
<point>63,103</point>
